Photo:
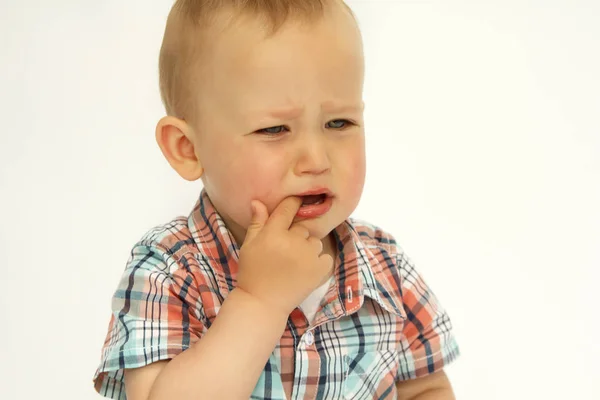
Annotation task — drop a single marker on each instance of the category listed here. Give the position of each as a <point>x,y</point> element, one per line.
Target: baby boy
<point>268,289</point>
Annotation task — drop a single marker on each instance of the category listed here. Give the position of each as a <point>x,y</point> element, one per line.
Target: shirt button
<point>309,338</point>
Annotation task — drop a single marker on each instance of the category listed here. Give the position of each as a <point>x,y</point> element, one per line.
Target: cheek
<point>245,175</point>
<point>355,170</point>
<point>259,175</point>
<point>356,179</point>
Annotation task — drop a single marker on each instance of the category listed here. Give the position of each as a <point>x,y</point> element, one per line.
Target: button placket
<point>309,338</point>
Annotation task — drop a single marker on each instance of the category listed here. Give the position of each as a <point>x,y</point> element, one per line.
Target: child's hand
<point>280,264</point>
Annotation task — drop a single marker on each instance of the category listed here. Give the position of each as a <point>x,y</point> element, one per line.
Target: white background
<point>483,146</point>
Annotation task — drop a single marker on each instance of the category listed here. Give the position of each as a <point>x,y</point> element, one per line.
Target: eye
<point>339,124</point>
<point>272,131</point>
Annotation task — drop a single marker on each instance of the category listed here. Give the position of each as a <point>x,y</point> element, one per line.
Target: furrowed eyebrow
<point>295,112</point>
<point>286,113</point>
<point>331,107</point>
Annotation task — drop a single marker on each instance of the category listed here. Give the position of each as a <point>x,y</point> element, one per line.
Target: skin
<point>304,86</point>
<point>274,83</point>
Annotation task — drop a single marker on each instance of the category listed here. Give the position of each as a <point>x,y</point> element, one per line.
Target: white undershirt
<point>311,304</point>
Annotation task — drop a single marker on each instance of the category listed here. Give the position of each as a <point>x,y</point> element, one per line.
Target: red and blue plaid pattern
<point>378,323</point>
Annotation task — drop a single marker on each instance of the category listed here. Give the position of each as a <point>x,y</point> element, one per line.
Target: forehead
<point>300,62</point>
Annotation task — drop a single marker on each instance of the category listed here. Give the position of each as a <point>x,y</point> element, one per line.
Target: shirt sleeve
<point>428,342</point>
<point>154,317</point>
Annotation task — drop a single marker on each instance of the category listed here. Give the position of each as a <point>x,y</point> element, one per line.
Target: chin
<point>317,228</point>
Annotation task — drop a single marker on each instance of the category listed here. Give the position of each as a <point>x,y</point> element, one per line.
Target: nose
<point>312,154</point>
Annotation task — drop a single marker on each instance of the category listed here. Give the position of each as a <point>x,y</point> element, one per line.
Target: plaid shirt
<point>377,324</point>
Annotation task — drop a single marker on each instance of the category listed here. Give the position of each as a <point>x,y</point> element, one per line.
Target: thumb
<point>260,215</point>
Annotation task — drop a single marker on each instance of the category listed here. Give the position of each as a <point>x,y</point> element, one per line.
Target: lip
<point>316,210</point>
<point>316,191</point>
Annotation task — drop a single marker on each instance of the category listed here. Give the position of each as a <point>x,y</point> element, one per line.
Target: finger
<point>260,216</point>
<point>283,216</point>
<point>300,231</point>
<point>316,244</point>
<point>327,262</point>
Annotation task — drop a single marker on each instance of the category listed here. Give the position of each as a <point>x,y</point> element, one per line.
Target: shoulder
<point>164,246</point>
<point>170,236</point>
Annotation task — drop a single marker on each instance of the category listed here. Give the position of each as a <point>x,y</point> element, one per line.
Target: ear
<point>174,137</point>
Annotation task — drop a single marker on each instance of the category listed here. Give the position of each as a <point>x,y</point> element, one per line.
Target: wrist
<point>257,307</point>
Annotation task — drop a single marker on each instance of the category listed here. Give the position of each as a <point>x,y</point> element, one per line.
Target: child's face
<point>301,83</point>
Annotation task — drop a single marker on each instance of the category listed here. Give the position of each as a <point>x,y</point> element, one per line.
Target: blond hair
<point>188,20</point>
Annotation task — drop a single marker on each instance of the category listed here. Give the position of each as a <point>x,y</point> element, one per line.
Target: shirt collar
<point>363,270</point>
<point>215,243</point>
<point>358,271</point>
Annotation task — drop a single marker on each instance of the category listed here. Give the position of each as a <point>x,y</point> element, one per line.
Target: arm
<point>238,344</point>
<point>428,338</point>
<point>227,361</point>
<point>431,387</point>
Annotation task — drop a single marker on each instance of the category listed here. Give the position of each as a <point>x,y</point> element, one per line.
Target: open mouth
<point>313,199</point>
<point>315,203</point>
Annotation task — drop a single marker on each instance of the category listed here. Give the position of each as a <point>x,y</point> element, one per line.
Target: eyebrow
<point>331,107</point>
<point>328,107</point>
